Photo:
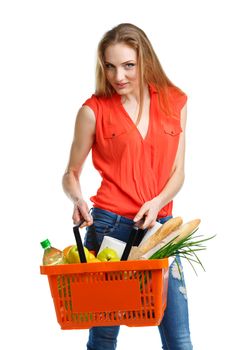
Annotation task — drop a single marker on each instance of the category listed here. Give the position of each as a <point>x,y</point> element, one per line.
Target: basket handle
<point>130,243</point>
<point>127,249</point>
<point>79,241</point>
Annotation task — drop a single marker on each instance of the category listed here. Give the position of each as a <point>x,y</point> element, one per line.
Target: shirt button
<point>113,134</point>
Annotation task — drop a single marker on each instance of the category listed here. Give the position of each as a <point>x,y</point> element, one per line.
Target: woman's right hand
<point>81,212</point>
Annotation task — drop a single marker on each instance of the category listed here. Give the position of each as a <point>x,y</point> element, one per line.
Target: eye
<point>129,65</point>
<point>108,66</point>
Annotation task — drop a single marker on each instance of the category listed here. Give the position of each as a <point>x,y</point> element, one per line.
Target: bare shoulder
<point>86,115</point>
<point>183,116</point>
<point>85,121</point>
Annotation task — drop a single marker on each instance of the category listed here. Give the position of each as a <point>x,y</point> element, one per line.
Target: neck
<point>134,97</point>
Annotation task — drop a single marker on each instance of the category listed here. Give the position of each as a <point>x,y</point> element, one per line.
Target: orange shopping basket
<point>131,293</point>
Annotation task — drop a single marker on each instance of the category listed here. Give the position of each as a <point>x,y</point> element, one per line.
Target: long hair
<point>149,67</point>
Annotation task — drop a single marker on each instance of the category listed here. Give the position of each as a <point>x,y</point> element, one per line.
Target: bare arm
<point>84,136</point>
<point>150,209</point>
<point>178,173</point>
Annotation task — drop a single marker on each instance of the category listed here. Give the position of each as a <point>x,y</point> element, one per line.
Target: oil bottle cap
<point>45,244</point>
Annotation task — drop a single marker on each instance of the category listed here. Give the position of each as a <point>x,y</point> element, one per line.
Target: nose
<point>119,75</point>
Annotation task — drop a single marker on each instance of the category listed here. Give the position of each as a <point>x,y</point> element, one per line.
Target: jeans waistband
<point>113,217</point>
<point>119,218</point>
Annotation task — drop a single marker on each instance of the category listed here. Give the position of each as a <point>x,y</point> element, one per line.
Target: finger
<point>90,222</point>
<point>76,218</point>
<point>83,211</point>
<point>76,213</point>
<point>144,226</point>
<point>83,224</point>
<point>148,223</point>
<point>87,223</point>
<point>152,224</point>
<point>86,216</point>
<point>75,221</point>
<point>140,223</point>
<point>140,214</point>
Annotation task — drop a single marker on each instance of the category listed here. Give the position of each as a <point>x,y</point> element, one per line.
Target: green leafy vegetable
<point>185,248</point>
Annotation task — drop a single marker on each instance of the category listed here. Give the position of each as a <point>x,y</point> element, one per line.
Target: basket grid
<point>85,297</point>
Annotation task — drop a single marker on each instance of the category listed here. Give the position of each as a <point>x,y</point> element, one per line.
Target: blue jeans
<point>174,328</point>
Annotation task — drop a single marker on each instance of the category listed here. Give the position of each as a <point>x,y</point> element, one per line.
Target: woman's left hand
<point>147,215</point>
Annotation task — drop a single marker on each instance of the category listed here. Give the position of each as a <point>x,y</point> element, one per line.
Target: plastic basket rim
<point>155,264</point>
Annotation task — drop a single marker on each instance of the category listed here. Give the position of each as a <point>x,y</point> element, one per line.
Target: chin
<point>123,91</point>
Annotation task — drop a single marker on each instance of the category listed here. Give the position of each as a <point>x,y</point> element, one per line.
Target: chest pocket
<point>172,127</point>
<point>112,131</point>
<point>112,125</point>
<point>115,140</point>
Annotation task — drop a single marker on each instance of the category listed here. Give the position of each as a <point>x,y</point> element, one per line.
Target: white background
<point>47,71</point>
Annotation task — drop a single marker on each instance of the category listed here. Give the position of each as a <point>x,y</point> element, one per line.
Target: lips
<point>121,85</point>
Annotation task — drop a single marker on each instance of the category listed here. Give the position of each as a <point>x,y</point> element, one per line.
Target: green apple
<point>108,254</point>
<point>91,256</point>
<point>73,255</point>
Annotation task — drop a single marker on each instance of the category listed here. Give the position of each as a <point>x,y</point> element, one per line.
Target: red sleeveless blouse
<point>134,170</point>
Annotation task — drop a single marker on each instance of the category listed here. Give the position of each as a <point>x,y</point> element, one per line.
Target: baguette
<point>177,235</point>
<point>161,244</point>
<point>186,229</point>
<point>168,227</point>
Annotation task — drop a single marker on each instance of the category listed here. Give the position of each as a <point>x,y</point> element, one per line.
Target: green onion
<point>185,247</point>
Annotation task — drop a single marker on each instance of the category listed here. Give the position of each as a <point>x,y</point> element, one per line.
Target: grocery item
<point>161,244</point>
<point>92,257</point>
<point>186,229</point>
<point>175,236</point>
<point>108,254</point>
<point>94,260</point>
<point>66,250</point>
<point>73,255</point>
<point>162,232</point>
<point>183,242</point>
<point>51,256</point>
<point>150,232</point>
<point>114,244</point>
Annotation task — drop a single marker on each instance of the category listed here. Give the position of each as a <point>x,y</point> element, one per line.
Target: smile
<point>120,86</point>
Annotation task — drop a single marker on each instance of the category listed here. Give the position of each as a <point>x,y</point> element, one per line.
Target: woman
<point>135,126</point>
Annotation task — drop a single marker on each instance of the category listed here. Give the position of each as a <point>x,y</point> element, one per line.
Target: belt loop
<point>117,221</point>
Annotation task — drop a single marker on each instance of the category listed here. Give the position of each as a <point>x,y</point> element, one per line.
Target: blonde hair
<point>149,67</point>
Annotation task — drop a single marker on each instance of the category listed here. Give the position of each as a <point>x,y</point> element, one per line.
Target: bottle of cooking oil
<point>51,256</point>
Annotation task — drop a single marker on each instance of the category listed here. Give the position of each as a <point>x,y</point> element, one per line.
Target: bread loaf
<point>186,229</point>
<point>168,227</point>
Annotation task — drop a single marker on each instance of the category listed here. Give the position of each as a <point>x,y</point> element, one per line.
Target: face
<point>121,68</point>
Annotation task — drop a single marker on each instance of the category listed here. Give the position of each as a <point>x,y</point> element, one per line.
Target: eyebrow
<point>130,61</point>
